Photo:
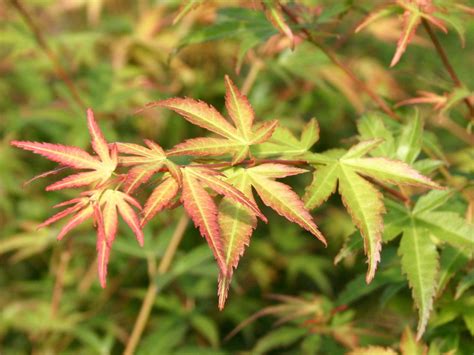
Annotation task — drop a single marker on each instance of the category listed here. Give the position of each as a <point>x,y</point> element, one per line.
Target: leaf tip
<point>223,289</point>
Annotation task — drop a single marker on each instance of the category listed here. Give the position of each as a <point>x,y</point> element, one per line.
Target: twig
<point>333,57</point>
<point>449,68</point>
<point>455,129</point>
<point>58,67</point>
<point>150,295</point>
<point>257,65</point>
<point>64,259</point>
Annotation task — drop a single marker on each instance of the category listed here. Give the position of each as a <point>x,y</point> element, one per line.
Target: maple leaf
<point>237,222</point>
<point>100,204</point>
<point>82,209</point>
<point>160,198</point>
<point>203,211</point>
<point>235,140</point>
<point>105,215</point>
<point>102,166</point>
<point>414,11</point>
<point>362,200</point>
<point>441,103</point>
<point>145,162</point>
<point>275,16</point>
<point>419,255</point>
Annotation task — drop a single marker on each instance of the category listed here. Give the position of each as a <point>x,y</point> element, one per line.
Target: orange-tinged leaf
<point>109,216</point>
<point>411,21</point>
<point>98,142</point>
<point>203,211</point>
<point>237,223</point>
<point>139,175</point>
<point>233,140</point>
<point>160,198</point>
<point>201,114</point>
<point>155,147</point>
<point>79,159</point>
<point>105,216</point>
<point>239,108</point>
<point>275,16</point>
<point>138,154</point>
<point>103,247</point>
<point>129,215</point>
<point>175,171</point>
<point>60,215</point>
<point>65,155</point>
<point>69,202</point>
<point>205,147</point>
<point>141,153</point>
<point>264,131</point>
<point>284,201</point>
<point>146,161</point>
<point>76,180</point>
<point>75,220</point>
<point>223,188</point>
<point>275,171</point>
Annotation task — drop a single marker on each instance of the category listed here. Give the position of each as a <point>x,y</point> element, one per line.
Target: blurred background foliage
<point>120,55</point>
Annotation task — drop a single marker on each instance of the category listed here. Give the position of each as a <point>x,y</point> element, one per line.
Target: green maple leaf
<point>422,228</point>
<point>348,171</point>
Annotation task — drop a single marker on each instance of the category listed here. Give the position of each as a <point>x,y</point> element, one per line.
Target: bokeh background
<point>120,55</point>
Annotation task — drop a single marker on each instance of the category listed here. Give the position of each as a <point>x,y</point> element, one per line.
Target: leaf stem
<point>449,68</point>
<point>43,44</point>
<point>150,295</point>
<point>399,195</point>
<point>333,57</point>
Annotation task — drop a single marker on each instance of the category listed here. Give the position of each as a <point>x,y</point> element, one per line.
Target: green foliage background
<point>122,54</point>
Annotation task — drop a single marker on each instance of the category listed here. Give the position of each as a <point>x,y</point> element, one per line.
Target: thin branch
<point>257,65</point>
<point>333,57</point>
<point>58,67</point>
<point>454,128</point>
<point>150,295</point>
<point>64,258</point>
<point>449,68</point>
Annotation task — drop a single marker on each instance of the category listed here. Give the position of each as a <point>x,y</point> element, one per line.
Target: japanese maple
<point>232,165</point>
